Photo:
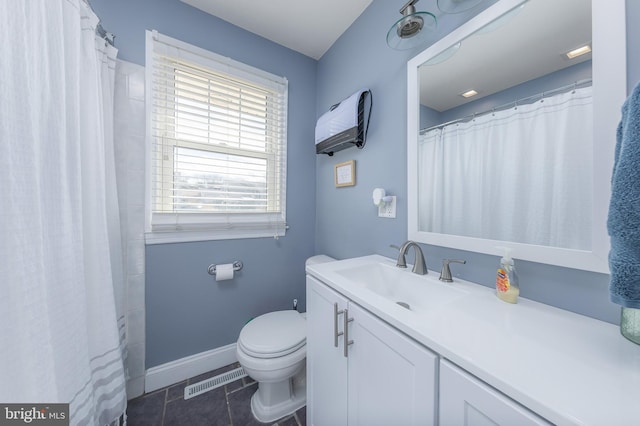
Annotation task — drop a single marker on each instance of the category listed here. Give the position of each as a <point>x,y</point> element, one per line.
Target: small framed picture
<point>345,173</point>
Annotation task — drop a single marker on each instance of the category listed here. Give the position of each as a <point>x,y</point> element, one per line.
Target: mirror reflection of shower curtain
<point>521,175</point>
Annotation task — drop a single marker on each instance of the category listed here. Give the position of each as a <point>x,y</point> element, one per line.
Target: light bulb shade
<point>457,6</point>
<point>411,30</point>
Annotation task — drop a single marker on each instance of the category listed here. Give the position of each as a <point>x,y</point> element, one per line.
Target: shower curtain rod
<point>104,34</point>
<point>521,101</point>
<point>100,31</point>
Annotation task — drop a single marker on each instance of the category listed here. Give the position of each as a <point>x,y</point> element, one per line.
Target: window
<point>217,145</point>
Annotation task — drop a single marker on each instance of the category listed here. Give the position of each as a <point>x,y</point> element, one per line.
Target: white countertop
<point>568,368</point>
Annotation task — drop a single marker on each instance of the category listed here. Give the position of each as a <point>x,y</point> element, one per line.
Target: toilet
<point>272,349</point>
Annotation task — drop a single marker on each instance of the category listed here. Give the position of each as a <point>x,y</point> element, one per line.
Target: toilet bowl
<point>272,350</point>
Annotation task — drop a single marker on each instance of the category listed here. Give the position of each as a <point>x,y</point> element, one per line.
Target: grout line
<point>164,406</point>
<point>295,415</point>
<point>242,386</point>
<point>226,398</point>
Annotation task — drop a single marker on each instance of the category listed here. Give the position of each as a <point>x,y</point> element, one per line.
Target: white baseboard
<point>184,368</point>
<point>135,387</point>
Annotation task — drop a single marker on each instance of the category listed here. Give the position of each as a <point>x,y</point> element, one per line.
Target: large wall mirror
<point>555,176</point>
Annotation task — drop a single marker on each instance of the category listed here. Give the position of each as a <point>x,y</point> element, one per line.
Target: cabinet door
<point>465,400</point>
<point>326,364</point>
<point>392,379</point>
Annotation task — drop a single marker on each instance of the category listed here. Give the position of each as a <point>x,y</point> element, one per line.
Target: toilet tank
<point>321,258</point>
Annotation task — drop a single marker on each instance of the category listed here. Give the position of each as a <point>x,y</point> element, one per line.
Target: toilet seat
<point>273,335</point>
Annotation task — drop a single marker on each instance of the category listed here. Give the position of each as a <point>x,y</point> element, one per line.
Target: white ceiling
<point>306,26</point>
<point>544,27</point>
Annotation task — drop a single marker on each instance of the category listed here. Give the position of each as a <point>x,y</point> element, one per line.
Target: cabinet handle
<point>347,342</point>
<point>336,312</point>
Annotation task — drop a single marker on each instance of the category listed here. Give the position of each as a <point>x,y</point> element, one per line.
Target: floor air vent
<point>213,383</point>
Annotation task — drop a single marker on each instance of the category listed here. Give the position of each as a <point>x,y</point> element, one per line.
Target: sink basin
<point>403,287</point>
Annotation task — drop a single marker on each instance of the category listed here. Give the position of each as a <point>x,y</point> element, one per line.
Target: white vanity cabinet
<point>467,401</point>
<point>459,352</point>
<point>326,365</point>
<point>383,378</point>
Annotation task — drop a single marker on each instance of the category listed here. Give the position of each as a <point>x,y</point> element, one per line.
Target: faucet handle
<point>445,274</point>
<point>402,262</point>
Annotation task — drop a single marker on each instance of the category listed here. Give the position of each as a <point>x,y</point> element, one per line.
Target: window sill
<point>171,237</point>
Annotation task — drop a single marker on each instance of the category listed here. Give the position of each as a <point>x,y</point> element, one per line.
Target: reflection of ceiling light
<point>579,51</point>
<point>469,93</point>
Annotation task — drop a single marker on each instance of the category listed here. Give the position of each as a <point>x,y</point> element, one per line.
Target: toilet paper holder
<point>237,265</point>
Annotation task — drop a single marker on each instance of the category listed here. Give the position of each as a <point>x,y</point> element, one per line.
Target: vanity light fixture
<point>412,29</point>
<point>469,93</point>
<point>582,50</point>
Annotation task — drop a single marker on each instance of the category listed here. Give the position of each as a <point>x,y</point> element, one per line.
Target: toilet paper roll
<point>224,272</point>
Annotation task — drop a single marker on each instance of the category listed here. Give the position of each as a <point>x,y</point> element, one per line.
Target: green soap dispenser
<point>507,288</point>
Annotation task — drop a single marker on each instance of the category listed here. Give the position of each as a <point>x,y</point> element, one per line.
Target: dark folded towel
<point>624,209</point>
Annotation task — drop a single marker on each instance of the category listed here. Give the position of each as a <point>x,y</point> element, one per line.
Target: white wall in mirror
<point>526,43</point>
<point>609,92</point>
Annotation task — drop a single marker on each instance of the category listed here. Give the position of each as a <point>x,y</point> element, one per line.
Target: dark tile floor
<point>228,405</point>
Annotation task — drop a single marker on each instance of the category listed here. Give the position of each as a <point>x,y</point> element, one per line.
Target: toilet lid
<point>274,334</point>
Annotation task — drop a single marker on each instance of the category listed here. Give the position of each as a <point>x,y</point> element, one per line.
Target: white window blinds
<point>217,143</point>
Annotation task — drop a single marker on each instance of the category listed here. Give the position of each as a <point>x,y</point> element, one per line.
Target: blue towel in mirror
<point>624,209</point>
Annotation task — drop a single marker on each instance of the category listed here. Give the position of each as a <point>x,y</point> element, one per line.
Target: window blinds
<point>218,143</point>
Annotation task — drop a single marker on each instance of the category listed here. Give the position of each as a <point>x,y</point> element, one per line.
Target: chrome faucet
<point>419,266</point>
<point>445,273</point>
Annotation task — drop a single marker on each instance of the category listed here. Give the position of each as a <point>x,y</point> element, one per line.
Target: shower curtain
<point>60,260</point>
<point>522,174</point>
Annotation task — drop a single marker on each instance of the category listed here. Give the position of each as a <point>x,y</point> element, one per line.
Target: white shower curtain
<point>522,174</point>
<point>60,260</point>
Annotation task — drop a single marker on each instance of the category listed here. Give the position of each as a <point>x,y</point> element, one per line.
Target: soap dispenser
<point>507,288</point>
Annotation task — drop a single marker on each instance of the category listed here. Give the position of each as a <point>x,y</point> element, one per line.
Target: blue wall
<point>187,312</point>
<point>533,87</point>
<point>347,224</point>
